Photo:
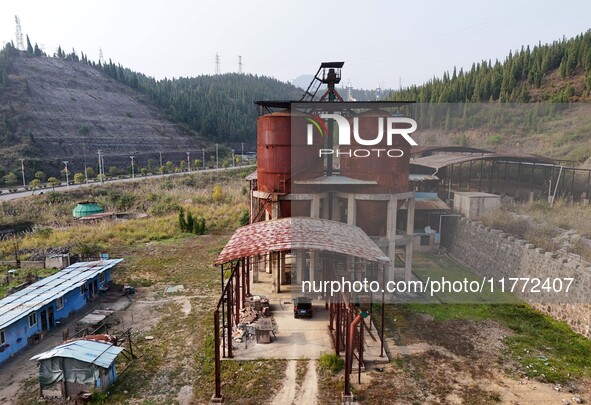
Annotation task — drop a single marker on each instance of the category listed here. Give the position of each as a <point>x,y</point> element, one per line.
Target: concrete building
<point>28,315</point>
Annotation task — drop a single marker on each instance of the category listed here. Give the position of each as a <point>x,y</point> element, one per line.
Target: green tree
<point>183,165</point>
<point>90,173</point>
<point>34,184</point>
<point>39,175</point>
<point>113,171</point>
<point>79,178</point>
<point>11,179</point>
<point>54,182</point>
<point>169,167</point>
<point>197,164</point>
<point>29,46</point>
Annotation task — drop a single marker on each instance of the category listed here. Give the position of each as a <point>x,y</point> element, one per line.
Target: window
<point>59,303</point>
<point>2,337</point>
<point>102,277</point>
<point>82,289</point>
<point>32,319</point>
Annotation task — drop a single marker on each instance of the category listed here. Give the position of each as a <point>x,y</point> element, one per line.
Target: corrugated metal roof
<point>42,292</point>
<point>300,233</point>
<point>441,160</point>
<point>88,351</point>
<point>252,176</point>
<point>427,202</point>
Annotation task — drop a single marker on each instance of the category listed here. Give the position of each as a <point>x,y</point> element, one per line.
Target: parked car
<point>302,306</point>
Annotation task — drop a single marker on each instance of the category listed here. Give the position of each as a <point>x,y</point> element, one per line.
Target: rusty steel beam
<point>218,363</point>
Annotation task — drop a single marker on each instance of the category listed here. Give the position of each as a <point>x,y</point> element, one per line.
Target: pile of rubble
<point>256,315</point>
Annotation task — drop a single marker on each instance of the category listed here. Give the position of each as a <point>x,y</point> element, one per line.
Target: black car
<point>302,306</point>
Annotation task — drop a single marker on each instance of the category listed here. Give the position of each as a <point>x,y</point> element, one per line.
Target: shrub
<point>331,362</point>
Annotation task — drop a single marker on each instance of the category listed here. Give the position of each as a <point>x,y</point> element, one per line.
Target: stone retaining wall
<point>493,253</point>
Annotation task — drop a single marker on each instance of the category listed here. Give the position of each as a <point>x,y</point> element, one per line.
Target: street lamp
<point>23,171</point>
<point>132,169</point>
<point>188,161</point>
<point>65,162</point>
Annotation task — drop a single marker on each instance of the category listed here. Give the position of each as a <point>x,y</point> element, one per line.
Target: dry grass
<point>539,223</point>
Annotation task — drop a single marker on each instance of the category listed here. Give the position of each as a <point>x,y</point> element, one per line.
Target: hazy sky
<point>381,42</point>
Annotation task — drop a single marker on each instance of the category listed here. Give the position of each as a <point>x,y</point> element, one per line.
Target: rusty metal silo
<point>281,156</point>
<point>390,173</point>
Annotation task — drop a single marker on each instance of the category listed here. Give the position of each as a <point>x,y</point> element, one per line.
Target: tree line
<point>513,79</point>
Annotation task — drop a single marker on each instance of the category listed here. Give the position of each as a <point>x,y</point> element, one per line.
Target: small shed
<point>77,366</point>
<point>474,205</point>
<point>86,208</point>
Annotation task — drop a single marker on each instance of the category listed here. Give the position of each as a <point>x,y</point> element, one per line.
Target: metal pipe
<point>229,316</point>
<point>349,354</point>
<point>218,363</point>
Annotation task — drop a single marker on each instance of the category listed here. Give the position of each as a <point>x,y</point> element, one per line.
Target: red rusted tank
<point>282,157</point>
<point>390,173</point>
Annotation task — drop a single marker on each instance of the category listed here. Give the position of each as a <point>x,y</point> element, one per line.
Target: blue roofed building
<point>28,315</point>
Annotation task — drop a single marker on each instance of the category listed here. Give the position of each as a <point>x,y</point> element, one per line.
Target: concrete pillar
<point>410,222</point>
<point>276,272</point>
<point>391,236</point>
<point>314,258</point>
<point>324,213</point>
<point>268,263</point>
<point>282,267</point>
<point>275,210</point>
<point>256,268</point>
<point>315,207</point>
<point>351,210</point>
<point>300,263</point>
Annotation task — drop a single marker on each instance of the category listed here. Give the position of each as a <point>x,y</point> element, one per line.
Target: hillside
<point>54,109</point>
<point>67,108</point>
<point>541,96</point>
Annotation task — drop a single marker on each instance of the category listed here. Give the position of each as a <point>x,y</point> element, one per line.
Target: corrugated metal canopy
<point>101,354</point>
<point>300,233</point>
<point>441,160</point>
<point>42,292</point>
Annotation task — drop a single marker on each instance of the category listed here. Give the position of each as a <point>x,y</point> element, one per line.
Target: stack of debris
<point>256,313</point>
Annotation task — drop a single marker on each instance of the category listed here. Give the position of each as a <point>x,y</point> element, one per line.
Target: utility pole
<point>161,167</point>
<point>239,64</point>
<point>23,171</point>
<point>203,160</point>
<point>217,161</point>
<point>217,64</point>
<point>188,161</point>
<point>65,162</point>
<point>132,169</point>
<point>233,159</point>
<point>100,159</point>
<point>242,154</point>
<point>85,171</point>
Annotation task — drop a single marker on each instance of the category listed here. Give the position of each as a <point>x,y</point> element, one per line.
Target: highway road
<point>7,196</point>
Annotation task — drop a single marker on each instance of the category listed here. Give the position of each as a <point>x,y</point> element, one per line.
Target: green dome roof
<point>85,209</point>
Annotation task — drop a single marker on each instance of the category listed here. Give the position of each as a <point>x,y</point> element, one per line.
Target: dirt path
<point>309,390</point>
<point>291,393</point>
